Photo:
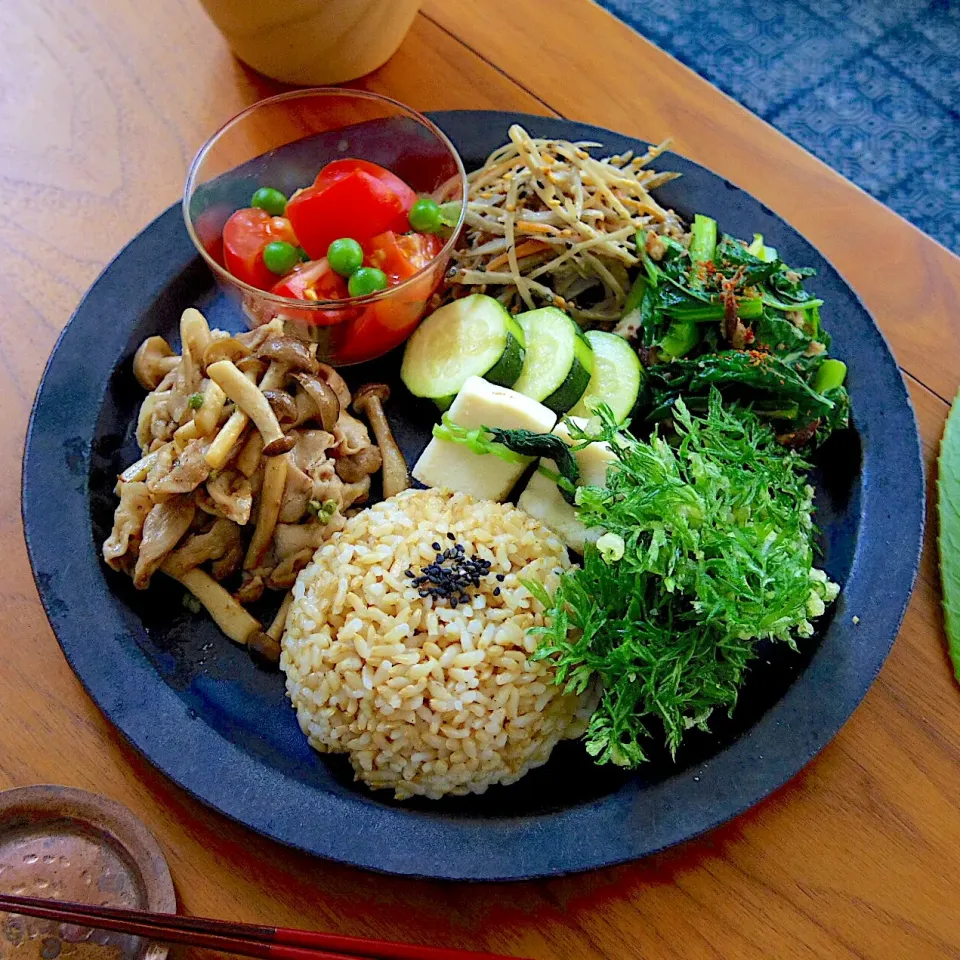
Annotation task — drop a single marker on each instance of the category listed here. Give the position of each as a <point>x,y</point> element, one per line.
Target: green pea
<point>304,256</point>
<point>365,281</point>
<point>344,256</point>
<point>270,200</point>
<point>280,257</point>
<point>425,216</point>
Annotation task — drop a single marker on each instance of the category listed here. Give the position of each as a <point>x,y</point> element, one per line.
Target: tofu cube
<point>484,476</point>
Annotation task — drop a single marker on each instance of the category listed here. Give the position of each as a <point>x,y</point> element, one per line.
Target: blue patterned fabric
<point>872,87</point>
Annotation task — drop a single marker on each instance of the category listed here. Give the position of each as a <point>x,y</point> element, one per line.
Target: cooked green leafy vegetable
<point>704,314</point>
<point>747,374</point>
<point>708,548</point>
<point>703,240</point>
<point>547,445</point>
<point>948,485</point>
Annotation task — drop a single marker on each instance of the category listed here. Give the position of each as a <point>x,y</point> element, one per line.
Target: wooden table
<point>102,106</point>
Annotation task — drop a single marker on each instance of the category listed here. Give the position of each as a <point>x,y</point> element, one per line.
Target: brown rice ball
<point>426,698</point>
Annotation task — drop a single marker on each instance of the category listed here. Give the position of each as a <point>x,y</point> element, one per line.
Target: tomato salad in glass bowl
<point>339,218</point>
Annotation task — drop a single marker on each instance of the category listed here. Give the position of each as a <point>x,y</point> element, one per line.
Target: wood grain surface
<point>102,106</point>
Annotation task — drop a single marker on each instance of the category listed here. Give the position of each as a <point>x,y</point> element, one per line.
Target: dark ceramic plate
<point>200,710</point>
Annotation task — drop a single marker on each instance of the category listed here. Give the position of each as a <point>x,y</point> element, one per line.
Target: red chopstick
<point>246,939</point>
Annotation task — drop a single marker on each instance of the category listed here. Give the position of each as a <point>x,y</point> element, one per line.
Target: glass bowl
<point>283,142</point>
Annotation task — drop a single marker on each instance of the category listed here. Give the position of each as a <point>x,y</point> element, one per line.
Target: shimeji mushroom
<point>289,351</point>
<point>283,405</point>
<point>224,348</point>
<point>248,459</point>
<point>336,383</point>
<point>268,510</point>
<point>230,617</point>
<point>194,335</point>
<point>279,623</point>
<point>226,439</point>
<point>253,403</point>
<point>211,407</point>
<point>323,397</point>
<point>153,361</point>
<point>139,470</point>
<point>368,401</point>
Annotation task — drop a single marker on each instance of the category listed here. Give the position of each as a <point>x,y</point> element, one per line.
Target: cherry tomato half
<point>381,326</point>
<point>313,280</point>
<point>349,198</point>
<point>390,321</point>
<point>245,235</point>
<point>401,256</point>
<point>338,169</point>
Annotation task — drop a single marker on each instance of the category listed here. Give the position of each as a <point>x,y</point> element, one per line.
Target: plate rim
<point>505,833</point>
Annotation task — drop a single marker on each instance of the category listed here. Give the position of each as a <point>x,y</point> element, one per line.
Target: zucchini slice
<point>559,361</point>
<point>471,337</point>
<point>616,378</point>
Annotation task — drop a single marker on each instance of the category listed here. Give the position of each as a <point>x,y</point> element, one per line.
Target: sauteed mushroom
<point>221,448</point>
<point>276,628</point>
<point>211,407</point>
<point>289,351</point>
<point>248,461</point>
<point>336,383</point>
<point>368,401</point>
<point>253,367</point>
<point>153,361</point>
<point>225,348</point>
<point>195,335</point>
<point>283,406</point>
<point>324,398</point>
<point>253,403</point>
<point>264,646</point>
<point>271,496</point>
<point>229,615</point>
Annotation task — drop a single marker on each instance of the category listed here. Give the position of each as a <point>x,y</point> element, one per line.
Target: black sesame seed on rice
<point>450,574</point>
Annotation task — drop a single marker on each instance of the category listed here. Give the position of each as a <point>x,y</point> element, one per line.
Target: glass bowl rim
<point>320,306</point>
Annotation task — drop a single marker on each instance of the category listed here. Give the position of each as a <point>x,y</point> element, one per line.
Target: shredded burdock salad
<point>549,224</point>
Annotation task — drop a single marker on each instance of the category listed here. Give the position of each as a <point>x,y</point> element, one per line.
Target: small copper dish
<point>68,844</point>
